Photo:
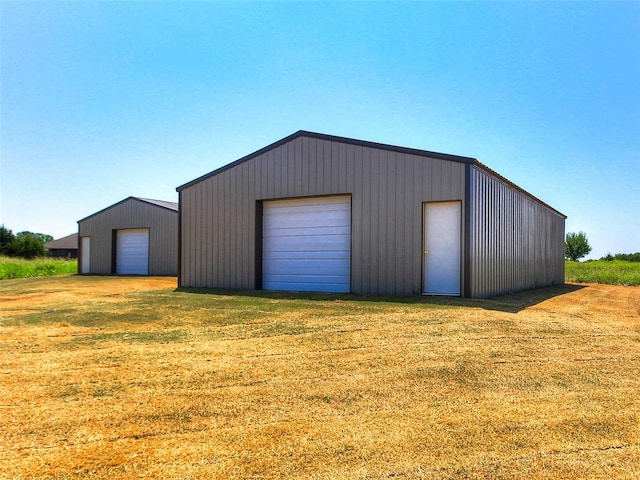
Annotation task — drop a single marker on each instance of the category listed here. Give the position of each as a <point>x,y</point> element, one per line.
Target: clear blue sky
<point>103,100</point>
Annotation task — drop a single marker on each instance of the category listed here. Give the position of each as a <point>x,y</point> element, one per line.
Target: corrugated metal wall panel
<point>516,243</point>
<point>387,190</point>
<point>133,213</point>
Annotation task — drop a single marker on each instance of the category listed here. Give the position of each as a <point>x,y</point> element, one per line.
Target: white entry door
<point>85,254</point>
<point>306,244</point>
<point>132,252</point>
<point>441,253</point>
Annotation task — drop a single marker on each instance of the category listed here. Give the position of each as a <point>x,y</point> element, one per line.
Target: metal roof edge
<point>392,148</point>
<point>173,206</point>
<point>493,173</point>
<point>331,138</point>
<point>139,199</point>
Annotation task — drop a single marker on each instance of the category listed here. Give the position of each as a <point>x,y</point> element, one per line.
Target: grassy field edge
<point>616,272</point>
<point>40,267</point>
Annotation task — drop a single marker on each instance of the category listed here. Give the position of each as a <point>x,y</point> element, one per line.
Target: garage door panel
<point>307,209</point>
<point>300,231</point>
<point>132,251</point>
<point>334,279</point>
<point>294,255</point>
<point>304,266</point>
<point>311,219</point>
<point>307,244</point>
<point>307,204</point>
<point>318,286</point>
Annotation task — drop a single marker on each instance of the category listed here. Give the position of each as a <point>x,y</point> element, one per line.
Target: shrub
<point>28,246</point>
<point>23,244</point>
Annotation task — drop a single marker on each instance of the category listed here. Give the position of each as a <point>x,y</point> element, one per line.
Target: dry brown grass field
<point>110,377</point>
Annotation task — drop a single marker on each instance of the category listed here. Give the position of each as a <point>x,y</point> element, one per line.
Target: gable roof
<point>69,242</point>
<point>330,138</point>
<point>173,206</point>
<point>380,146</point>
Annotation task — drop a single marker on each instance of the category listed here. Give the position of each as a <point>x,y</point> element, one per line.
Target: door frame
<point>461,243</point>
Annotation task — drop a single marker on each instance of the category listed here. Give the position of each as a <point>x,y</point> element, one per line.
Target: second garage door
<point>132,251</point>
<point>307,244</point>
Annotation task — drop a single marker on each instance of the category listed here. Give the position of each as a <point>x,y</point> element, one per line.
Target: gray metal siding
<point>387,189</point>
<point>132,213</point>
<point>515,242</point>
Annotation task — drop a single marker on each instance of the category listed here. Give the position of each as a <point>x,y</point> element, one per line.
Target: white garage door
<point>132,252</point>
<point>307,244</point>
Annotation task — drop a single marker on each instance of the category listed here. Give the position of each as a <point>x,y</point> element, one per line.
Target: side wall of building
<point>163,235</point>
<point>387,188</point>
<point>515,242</point>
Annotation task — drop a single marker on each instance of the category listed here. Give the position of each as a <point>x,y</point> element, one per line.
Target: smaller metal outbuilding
<point>65,247</point>
<point>136,236</point>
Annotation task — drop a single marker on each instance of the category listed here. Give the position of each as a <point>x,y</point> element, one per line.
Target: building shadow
<point>511,303</point>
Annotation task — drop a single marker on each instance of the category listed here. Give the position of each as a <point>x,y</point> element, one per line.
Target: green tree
<point>6,241</point>
<point>576,246</point>
<point>43,237</point>
<point>28,246</point>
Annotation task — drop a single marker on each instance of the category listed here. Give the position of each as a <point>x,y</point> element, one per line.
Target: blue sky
<point>103,100</point>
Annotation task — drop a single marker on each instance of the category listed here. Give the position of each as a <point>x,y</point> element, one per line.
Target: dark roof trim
<point>364,143</point>
<point>173,206</point>
<point>330,138</point>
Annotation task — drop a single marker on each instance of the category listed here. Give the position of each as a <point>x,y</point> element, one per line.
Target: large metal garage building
<point>136,236</point>
<point>314,212</point>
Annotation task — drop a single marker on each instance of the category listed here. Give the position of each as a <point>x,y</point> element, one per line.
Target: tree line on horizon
<point>576,246</point>
<point>23,244</point>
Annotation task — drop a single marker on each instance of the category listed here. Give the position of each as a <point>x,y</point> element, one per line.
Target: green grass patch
<point>616,272</point>
<point>84,318</point>
<point>170,336</point>
<point>39,267</point>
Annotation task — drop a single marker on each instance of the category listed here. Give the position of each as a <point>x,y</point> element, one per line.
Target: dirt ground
<point>604,301</point>
<point>45,295</point>
<point>125,377</point>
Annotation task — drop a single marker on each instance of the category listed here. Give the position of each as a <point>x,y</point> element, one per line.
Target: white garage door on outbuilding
<point>132,251</point>
<point>306,244</point>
